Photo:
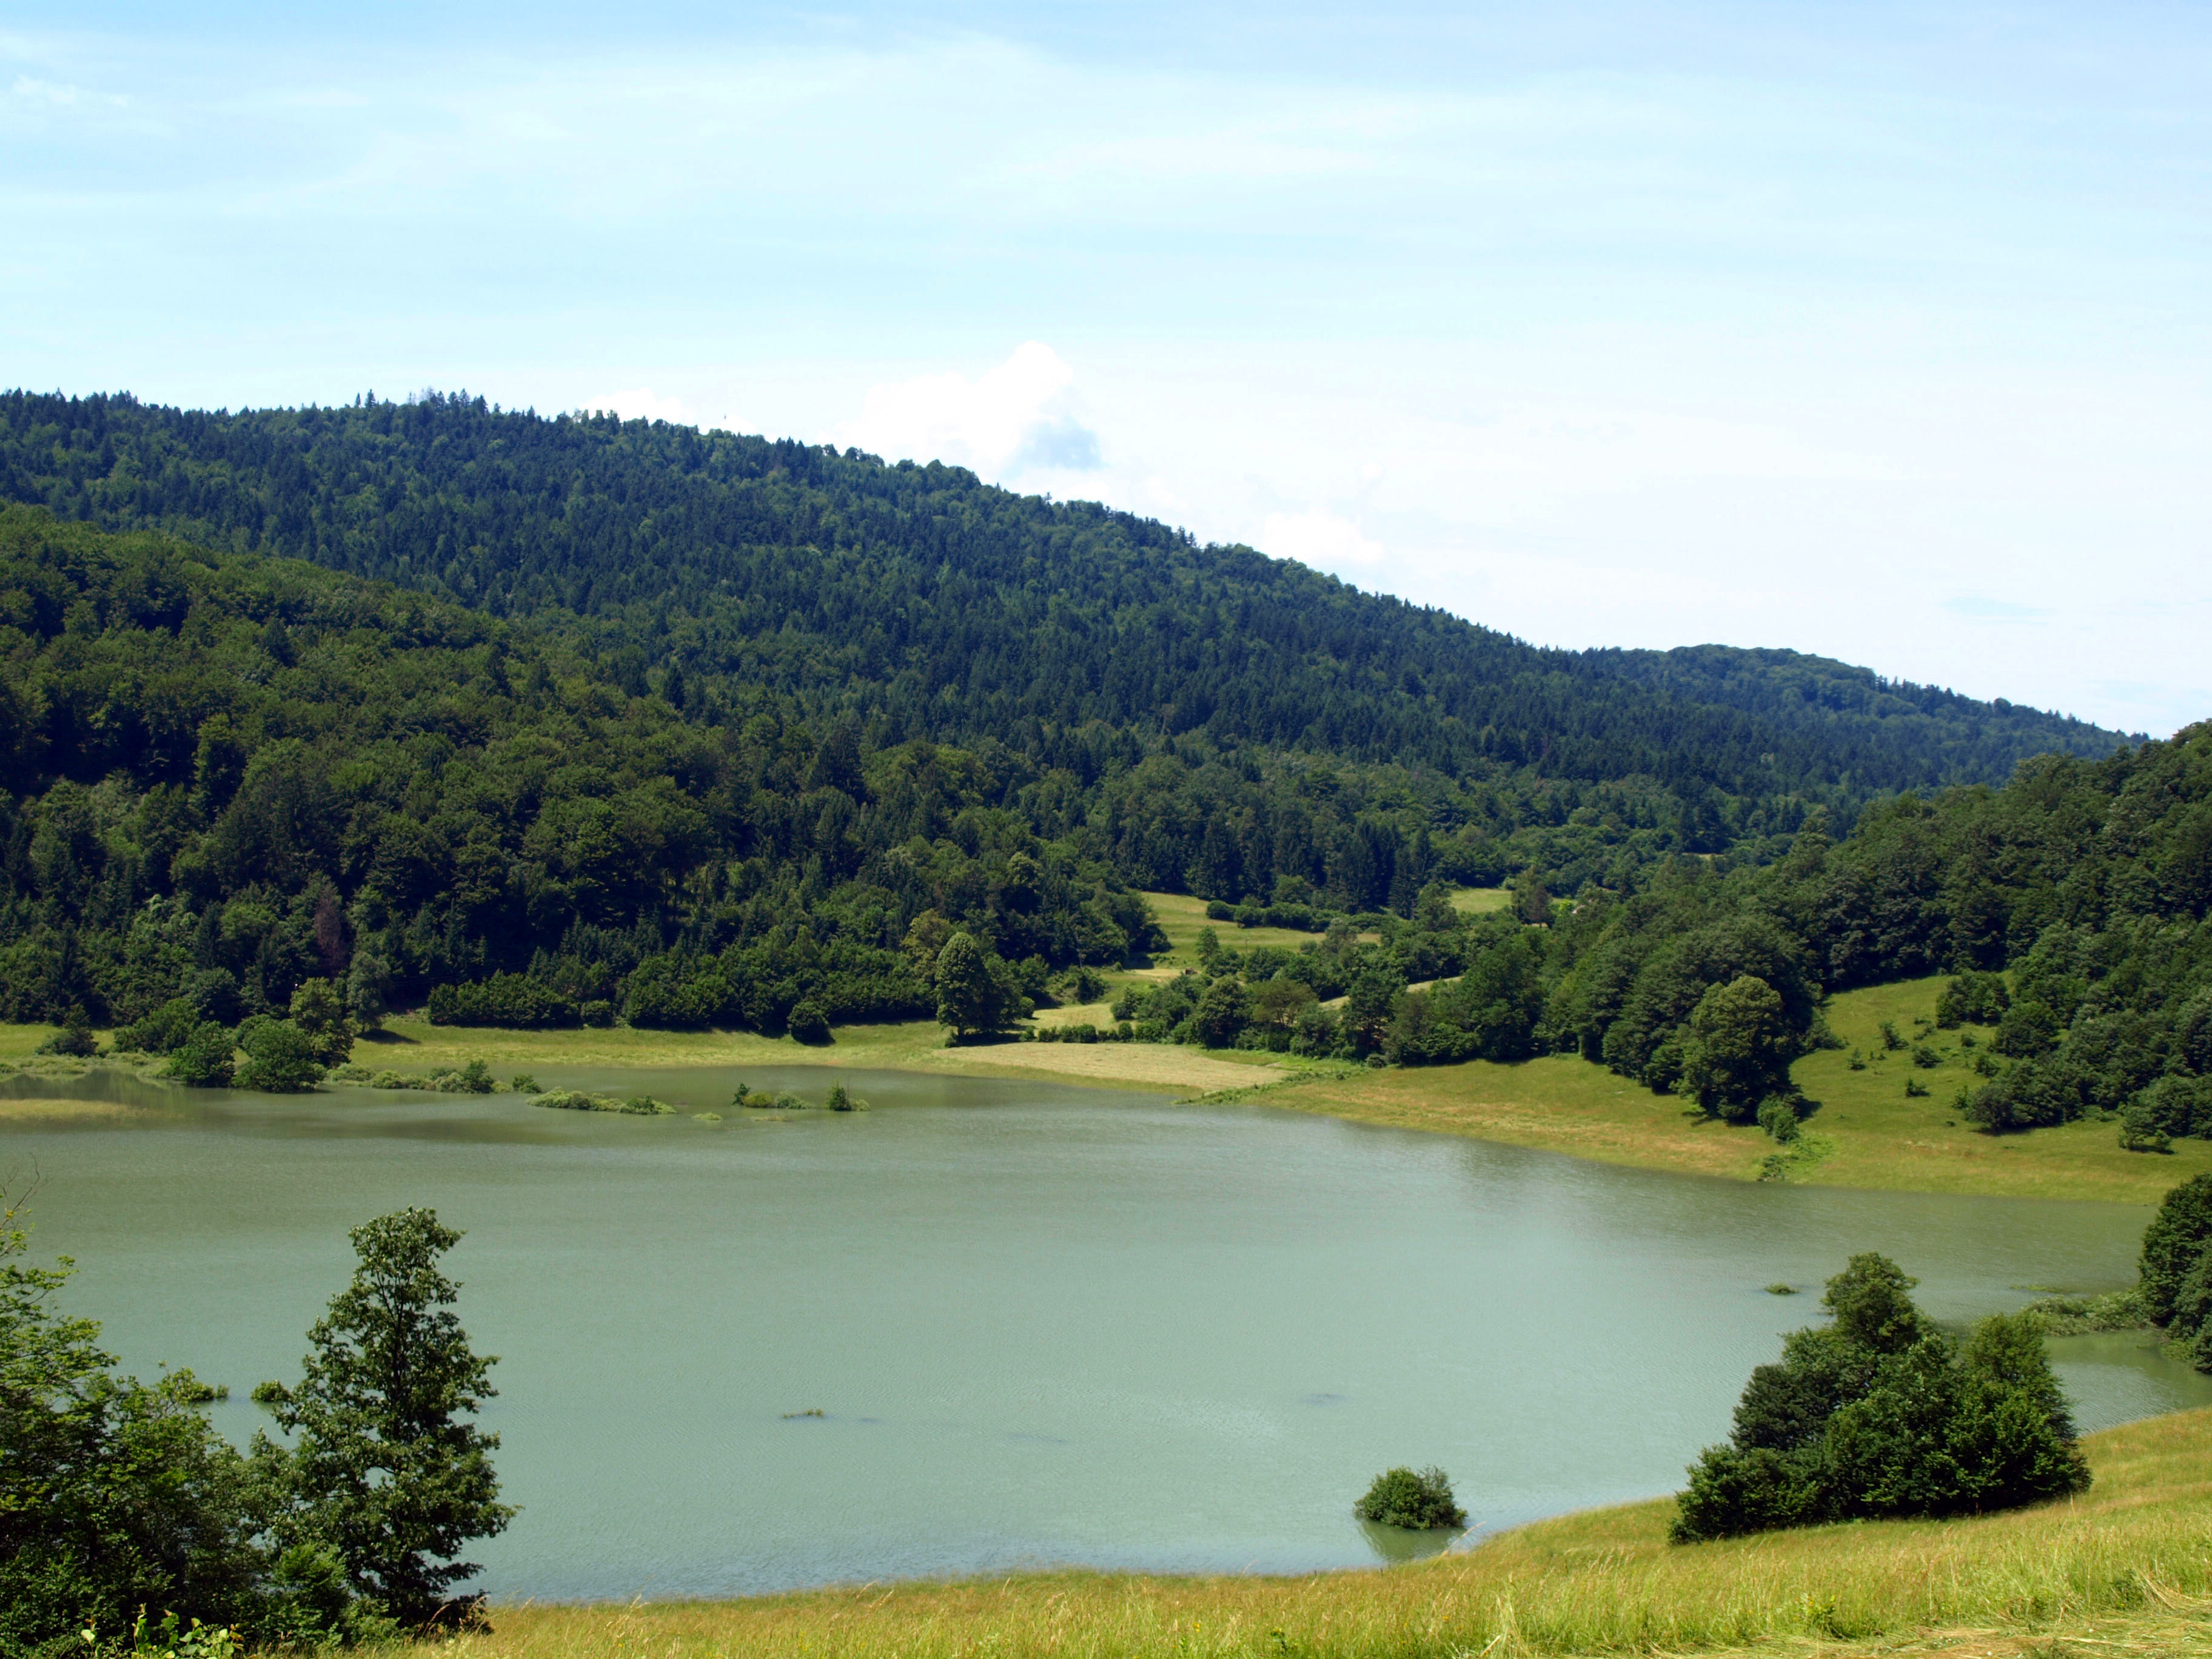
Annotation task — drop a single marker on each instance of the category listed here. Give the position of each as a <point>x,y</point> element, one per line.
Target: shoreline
<point>1868,1132</point>
<point>2123,1566</point>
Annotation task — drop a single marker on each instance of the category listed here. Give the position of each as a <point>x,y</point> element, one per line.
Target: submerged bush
<point>1418,1499</point>
<point>280,1058</point>
<point>204,1060</point>
<point>576,1100</point>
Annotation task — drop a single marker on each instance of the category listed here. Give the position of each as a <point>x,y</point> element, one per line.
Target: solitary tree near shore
<point>387,1473</point>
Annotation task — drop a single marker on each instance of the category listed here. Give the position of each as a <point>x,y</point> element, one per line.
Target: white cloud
<point>1022,417</point>
<point>1319,538</point>
<point>644,404</point>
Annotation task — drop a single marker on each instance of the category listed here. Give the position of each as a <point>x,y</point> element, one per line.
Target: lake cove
<point>1040,1324</point>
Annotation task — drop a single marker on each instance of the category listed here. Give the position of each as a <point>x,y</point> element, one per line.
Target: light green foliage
<point>319,1010</point>
<point>2075,1315</point>
<point>577,1100</point>
<point>386,1472</point>
<point>280,1057</point>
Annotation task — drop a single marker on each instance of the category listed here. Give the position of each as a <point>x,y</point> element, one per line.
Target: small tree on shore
<point>387,1474</point>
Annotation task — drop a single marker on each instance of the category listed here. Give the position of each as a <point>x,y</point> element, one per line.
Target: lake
<point>1043,1325</point>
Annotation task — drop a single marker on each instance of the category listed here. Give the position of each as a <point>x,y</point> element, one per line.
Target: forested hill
<point>1856,711</point>
<point>921,603</point>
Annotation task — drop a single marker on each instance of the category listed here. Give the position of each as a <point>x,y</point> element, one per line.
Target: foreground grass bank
<point>2126,1567</point>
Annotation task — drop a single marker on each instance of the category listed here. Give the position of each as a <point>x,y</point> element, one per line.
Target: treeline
<point>2071,904</point>
<point>2071,908</point>
<point>233,777</point>
<point>918,603</point>
<point>228,775</point>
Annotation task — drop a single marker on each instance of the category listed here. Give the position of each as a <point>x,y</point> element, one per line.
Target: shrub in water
<point>1881,1413</point>
<point>843,1099</point>
<point>205,1059</point>
<point>280,1058</point>
<point>1419,1499</point>
<point>524,1084</point>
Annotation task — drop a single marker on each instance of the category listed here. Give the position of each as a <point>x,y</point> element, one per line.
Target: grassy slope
<point>1181,917</point>
<point>2126,1567</point>
<point>1867,1132</point>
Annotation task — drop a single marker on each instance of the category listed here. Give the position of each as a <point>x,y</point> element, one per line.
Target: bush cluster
<point>133,1525</point>
<point>1418,1499</point>
<point>1881,1413</point>
<point>2176,1283</point>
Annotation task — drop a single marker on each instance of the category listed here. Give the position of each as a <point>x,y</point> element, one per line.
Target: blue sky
<point>1878,331</point>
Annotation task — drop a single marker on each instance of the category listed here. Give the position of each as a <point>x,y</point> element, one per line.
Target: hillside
<point>923,603</point>
<point>1857,712</point>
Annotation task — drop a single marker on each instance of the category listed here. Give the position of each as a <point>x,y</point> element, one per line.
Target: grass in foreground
<point>2125,1567</point>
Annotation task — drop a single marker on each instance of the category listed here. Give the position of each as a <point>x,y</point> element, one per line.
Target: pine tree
<point>386,1472</point>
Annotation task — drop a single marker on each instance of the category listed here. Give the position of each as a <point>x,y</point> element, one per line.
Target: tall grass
<point>2136,1548</point>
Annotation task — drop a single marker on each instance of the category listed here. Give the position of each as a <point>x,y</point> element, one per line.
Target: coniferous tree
<point>386,1472</point>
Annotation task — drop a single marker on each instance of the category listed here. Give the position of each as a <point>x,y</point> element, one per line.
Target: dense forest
<point>2071,908</point>
<point>569,719</point>
<point>919,603</point>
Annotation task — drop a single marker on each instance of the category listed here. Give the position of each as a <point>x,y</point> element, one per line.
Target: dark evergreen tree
<point>386,1472</point>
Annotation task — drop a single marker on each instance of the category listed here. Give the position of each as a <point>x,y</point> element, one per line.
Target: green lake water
<point>1043,1325</point>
